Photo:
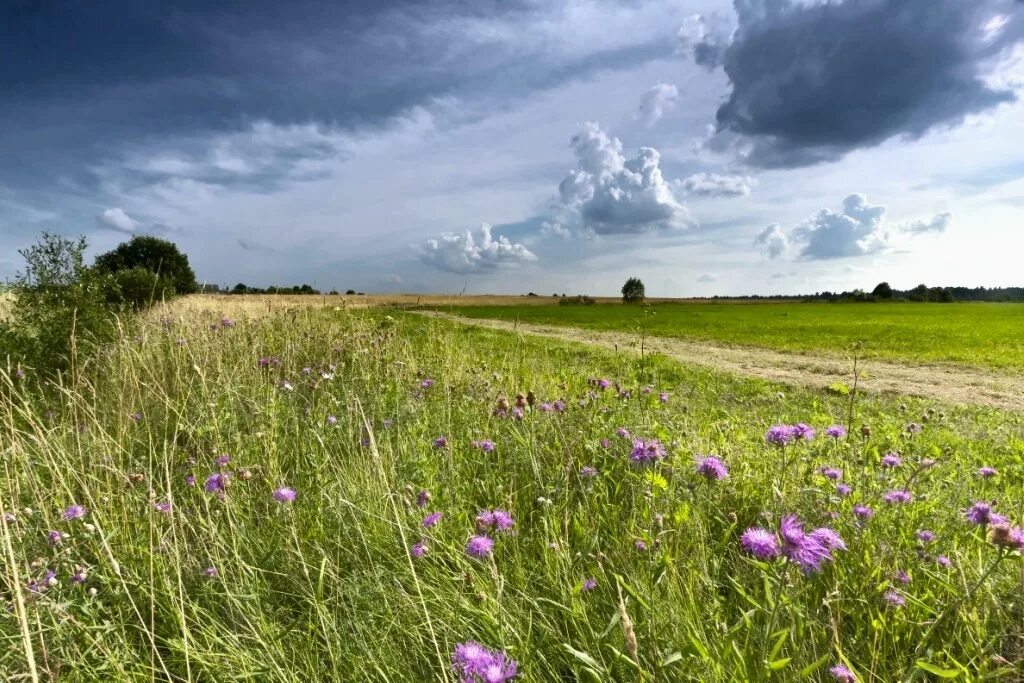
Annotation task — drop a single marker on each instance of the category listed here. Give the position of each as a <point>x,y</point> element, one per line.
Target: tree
<point>633,291</point>
<point>882,291</point>
<point>155,255</point>
<point>919,293</point>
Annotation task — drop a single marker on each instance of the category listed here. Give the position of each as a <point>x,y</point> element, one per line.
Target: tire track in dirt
<point>948,383</point>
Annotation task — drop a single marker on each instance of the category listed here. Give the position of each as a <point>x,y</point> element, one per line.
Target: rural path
<point>947,383</point>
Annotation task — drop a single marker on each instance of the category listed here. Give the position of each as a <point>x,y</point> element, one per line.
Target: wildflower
<point>332,420</point>
<point>647,451</point>
<point>779,435</point>
<point>162,507</point>
<point>479,546</point>
<point>808,550</point>
<point>74,512</point>
<point>474,663</point>
<point>422,498</point>
<point>1006,536</point>
<point>641,545</point>
<point>210,572</point>
<point>486,445</point>
<point>420,549</point>
<point>925,536</point>
<point>559,406</point>
<point>589,585</point>
<point>663,397</point>
<point>863,512</point>
<point>49,580</point>
<point>844,490</point>
<point>987,472</point>
<point>913,428</point>
<point>606,443</point>
<point>712,468</point>
<point>944,561</point>
<point>227,322</point>
<point>842,674</point>
<point>217,482</point>
<point>136,417</point>
<point>545,407</point>
<point>603,384</point>
<point>836,431</point>
<point>760,543</point>
<point>891,460</point>
<point>927,463</point>
<point>19,374</point>
<point>285,385</point>
<point>898,497</point>
<point>622,432</point>
<point>222,460</point>
<point>55,538</point>
<point>80,575</point>
<point>832,473</point>
<point>431,520</point>
<point>284,495</point>
<point>588,471</point>
<point>517,413</point>
<point>498,519</point>
<point>427,383</point>
<point>804,432</point>
<point>902,576</point>
<point>441,442</point>
<point>894,599</point>
<point>190,480</point>
<point>981,514</point>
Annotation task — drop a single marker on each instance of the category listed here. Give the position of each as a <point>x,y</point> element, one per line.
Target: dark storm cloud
<point>80,79</point>
<point>814,81</point>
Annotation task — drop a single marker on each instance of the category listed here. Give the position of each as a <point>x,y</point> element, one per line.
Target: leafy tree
<point>138,288</point>
<point>60,307</point>
<point>633,291</point>
<point>156,255</point>
<point>919,293</point>
<point>882,291</point>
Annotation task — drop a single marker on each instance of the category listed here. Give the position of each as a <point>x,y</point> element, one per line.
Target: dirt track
<point>947,383</point>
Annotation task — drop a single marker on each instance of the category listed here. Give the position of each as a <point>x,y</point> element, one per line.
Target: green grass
<point>983,334</point>
<point>324,588</point>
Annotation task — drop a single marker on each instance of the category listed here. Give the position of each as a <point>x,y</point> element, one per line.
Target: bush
<point>60,309</point>
<point>154,254</point>
<point>578,300</point>
<point>633,291</point>
<point>138,288</point>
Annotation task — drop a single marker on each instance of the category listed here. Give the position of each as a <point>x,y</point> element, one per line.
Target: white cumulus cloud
<point>775,241</point>
<point>656,102</point>
<point>937,223</point>
<point>615,195</point>
<point>116,219</point>
<point>715,185</point>
<point>465,254</point>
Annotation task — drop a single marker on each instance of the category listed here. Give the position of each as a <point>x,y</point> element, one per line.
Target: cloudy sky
<point>708,146</point>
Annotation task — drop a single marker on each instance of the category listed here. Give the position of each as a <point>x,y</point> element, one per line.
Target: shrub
<point>154,254</point>
<point>138,288</point>
<point>578,300</point>
<point>633,291</point>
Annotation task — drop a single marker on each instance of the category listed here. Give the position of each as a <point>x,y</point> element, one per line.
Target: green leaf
<point>814,666</point>
<point>779,663</point>
<point>586,659</point>
<point>937,670</point>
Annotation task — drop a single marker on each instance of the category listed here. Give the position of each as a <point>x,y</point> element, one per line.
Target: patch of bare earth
<point>948,383</point>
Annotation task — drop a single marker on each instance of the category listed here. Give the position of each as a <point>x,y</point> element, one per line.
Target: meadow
<point>979,334</point>
<point>357,495</point>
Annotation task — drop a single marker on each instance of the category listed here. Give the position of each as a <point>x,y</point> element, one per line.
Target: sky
<point>505,146</point>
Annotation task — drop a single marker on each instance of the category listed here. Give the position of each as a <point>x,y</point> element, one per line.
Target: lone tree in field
<point>158,256</point>
<point>882,291</point>
<point>633,291</point>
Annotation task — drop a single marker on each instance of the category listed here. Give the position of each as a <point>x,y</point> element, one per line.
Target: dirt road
<point>947,383</point>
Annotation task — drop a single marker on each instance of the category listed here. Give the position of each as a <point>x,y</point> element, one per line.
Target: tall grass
<point>326,587</point>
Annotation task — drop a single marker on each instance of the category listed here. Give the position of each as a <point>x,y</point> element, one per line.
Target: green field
<point>983,334</point>
<point>630,571</point>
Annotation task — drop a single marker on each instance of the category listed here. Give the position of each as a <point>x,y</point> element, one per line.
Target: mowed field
<point>365,494</point>
<point>981,334</point>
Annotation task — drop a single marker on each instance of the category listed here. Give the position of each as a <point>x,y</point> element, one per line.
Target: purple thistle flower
<point>559,406</point>
<point>902,576</point>
<point>217,482</point>
<point>422,498</point>
<point>479,546</point>
<point>486,445</point>
<point>517,413</point>
<point>210,572</point>
<point>222,460</point>
<point>441,442</point>
<point>55,538</point>
<point>603,384</point>
<point>190,480</point>
<point>588,471</point>
<point>833,473</point>
<point>284,495</point>
<point>420,549</point>
<point>913,428</point>
<point>804,432</point>
<point>427,383</point>
<point>663,397</point>
<point>606,443</point>
<point>925,536</point>
<point>136,417</point>
<point>74,512</point>
<point>807,550</point>
<point>545,407</point>
<point>891,460</point>
<point>647,451</point>
<point>894,599</point>
<point>898,497</point>
<point>79,576</point>
<point>19,374</point>
<point>431,520</point>
<point>589,585</point>
<point>640,544</point>
<point>944,561</point>
<point>622,432</point>
<point>227,322</point>
<point>863,512</point>
<point>712,468</point>
<point>760,543</point>
<point>474,663</point>
<point>981,514</point>
<point>779,435</point>
<point>987,472</point>
<point>48,580</point>
<point>842,674</point>
<point>844,490</point>
<point>162,507</point>
<point>332,420</point>
<point>836,431</point>
<point>502,520</point>
<point>829,538</point>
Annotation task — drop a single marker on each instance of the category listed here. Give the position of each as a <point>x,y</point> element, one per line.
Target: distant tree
<point>350,291</point>
<point>156,255</point>
<point>633,291</point>
<point>919,293</point>
<point>882,291</point>
<point>240,288</point>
